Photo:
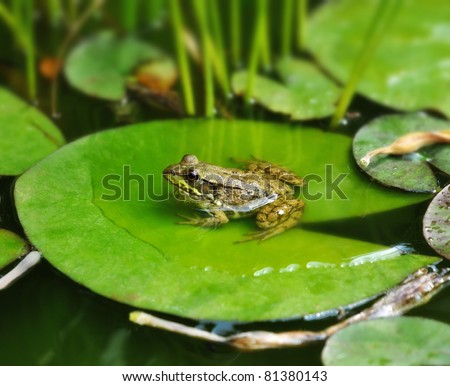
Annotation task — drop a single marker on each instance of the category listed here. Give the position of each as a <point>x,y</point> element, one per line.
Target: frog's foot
<point>276,218</point>
<point>261,235</point>
<point>217,218</point>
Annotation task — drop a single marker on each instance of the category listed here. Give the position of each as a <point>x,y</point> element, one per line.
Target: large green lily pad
<point>409,70</point>
<point>404,341</point>
<point>11,247</point>
<point>306,93</point>
<point>436,223</point>
<point>26,135</point>
<point>99,66</point>
<point>128,248</point>
<point>410,171</point>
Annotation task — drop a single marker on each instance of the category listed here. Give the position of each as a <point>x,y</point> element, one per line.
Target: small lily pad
<point>12,247</point>
<point>403,341</point>
<point>100,65</point>
<point>306,93</point>
<point>105,218</point>
<point>409,70</point>
<point>436,223</point>
<point>410,172</point>
<point>26,135</point>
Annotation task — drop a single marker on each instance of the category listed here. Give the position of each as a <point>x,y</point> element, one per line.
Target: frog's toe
<point>188,220</point>
<point>259,236</point>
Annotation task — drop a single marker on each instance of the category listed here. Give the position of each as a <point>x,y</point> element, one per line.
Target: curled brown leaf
<point>409,143</point>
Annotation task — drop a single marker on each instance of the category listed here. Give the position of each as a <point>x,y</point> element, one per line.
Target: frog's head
<point>185,175</point>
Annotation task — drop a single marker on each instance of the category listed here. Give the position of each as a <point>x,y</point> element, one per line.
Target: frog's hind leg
<point>276,171</point>
<point>276,218</point>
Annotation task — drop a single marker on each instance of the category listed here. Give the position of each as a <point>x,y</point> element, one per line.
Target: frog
<point>261,189</point>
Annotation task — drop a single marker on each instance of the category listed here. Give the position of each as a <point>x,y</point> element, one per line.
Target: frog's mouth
<point>178,182</point>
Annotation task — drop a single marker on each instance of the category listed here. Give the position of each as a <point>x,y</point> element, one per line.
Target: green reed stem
<point>219,66</point>
<point>255,51</point>
<point>287,24</point>
<point>30,50</point>
<point>235,32</point>
<point>129,14</point>
<point>20,21</point>
<point>265,40</point>
<point>216,24</point>
<point>17,10</point>
<point>302,23</point>
<point>217,48</point>
<point>201,12</point>
<point>383,16</point>
<point>13,21</point>
<point>155,10</point>
<point>72,11</point>
<point>182,56</point>
<point>75,27</point>
<point>54,9</point>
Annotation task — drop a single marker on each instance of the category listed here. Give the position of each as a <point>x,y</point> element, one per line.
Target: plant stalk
<point>381,20</point>
<point>265,39</point>
<point>73,31</point>
<point>200,7</point>
<point>182,57</point>
<point>30,52</point>
<point>235,32</point>
<point>302,23</point>
<point>13,21</point>
<point>217,48</point>
<point>287,24</point>
<point>129,14</point>
<point>255,52</point>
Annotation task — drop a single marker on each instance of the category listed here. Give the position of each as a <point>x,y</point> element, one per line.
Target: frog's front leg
<point>276,217</point>
<point>217,217</point>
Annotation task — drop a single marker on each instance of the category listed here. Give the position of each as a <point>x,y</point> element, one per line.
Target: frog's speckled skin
<point>262,188</point>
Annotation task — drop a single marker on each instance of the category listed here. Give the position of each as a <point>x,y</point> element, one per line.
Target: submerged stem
<point>381,19</point>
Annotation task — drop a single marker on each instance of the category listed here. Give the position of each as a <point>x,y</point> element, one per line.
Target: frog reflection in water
<point>262,189</point>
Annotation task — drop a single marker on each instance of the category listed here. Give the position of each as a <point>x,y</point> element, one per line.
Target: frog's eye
<point>192,175</point>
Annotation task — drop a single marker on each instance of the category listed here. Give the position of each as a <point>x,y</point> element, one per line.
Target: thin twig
<point>414,291</point>
<point>28,262</point>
